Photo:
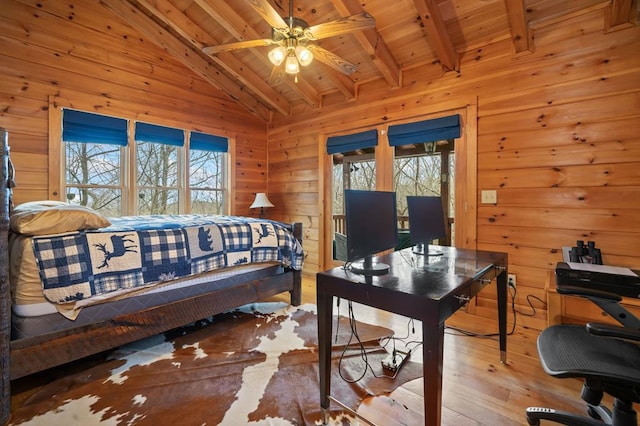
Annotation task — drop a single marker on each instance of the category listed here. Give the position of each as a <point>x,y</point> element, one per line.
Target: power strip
<point>394,363</point>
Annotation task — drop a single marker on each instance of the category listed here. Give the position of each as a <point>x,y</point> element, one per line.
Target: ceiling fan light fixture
<point>291,65</point>
<point>277,55</point>
<point>304,55</point>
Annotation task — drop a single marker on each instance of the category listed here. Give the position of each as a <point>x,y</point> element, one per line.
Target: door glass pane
<point>351,170</point>
<point>423,169</point>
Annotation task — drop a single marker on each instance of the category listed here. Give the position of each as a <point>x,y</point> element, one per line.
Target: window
<point>93,151</point>
<point>98,153</point>
<point>207,175</point>
<point>423,162</point>
<point>157,168</point>
<point>94,176</point>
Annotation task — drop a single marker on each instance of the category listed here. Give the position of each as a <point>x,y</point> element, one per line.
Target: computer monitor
<point>426,223</point>
<point>372,226</point>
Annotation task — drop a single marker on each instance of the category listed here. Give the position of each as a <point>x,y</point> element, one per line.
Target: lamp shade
<point>291,65</point>
<point>277,55</point>
<point>304,55</point>
<point>261,201</point>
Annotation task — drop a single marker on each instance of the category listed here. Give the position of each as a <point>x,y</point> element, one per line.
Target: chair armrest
<point>586,292</point>
<point>610,330</point>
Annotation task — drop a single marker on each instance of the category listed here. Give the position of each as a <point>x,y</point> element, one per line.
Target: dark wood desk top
<point>434,277</point>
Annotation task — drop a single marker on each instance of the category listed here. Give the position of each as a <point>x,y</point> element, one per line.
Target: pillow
<point>54,217</point>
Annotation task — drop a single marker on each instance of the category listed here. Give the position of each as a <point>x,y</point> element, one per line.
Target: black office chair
<point>606,356</point>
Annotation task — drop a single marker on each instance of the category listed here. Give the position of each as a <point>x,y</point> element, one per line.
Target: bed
<point>87,305</point>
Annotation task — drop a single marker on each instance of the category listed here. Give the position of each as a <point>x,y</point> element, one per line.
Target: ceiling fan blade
<point>331,59</point>
<point>212,50</point>
<point>268,13</point>
<point>340,26</point>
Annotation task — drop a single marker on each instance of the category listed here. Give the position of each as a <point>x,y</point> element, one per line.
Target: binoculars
<point>585,254</point>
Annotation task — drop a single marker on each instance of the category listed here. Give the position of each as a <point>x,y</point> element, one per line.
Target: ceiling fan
<point>295,39</point>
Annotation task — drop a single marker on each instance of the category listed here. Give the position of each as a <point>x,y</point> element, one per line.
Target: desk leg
<point>502,313</point>
<point>325,314</point>
<point>433,338</point>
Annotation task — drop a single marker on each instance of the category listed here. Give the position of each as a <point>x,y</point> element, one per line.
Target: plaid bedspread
<point>138,250</point>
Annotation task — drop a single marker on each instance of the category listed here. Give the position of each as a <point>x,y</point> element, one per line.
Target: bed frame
<point>22,357</point>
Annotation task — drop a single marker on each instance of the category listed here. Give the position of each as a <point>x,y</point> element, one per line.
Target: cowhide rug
<point>254,366</point>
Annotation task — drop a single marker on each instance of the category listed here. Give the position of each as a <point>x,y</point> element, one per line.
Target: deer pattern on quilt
<point>119,248</point>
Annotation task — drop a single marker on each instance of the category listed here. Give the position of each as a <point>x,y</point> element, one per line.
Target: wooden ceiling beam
<point>238,28</point>
<point>437,34</point>
<point>620,14</point>
<point>563,12</point>
<point>372,43</point>
<point>521,33</point>
<point>345,85</point>
<point>197,38</point>
<point>177,49</point>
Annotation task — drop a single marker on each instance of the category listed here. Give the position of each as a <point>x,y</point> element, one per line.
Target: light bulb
<point>291,65</point>
<point>277,55</point>
<point>304,55</point>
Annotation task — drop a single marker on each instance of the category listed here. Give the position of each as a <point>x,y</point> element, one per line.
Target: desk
<point>426,289</point>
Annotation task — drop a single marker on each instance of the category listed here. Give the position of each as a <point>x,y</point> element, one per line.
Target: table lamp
<point>261,202</point>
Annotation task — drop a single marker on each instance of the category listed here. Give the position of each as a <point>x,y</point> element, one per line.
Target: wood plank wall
<point>73,54</point>
<point>557,139</point>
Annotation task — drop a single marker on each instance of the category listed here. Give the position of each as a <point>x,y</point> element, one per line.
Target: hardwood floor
<point>477,388</point>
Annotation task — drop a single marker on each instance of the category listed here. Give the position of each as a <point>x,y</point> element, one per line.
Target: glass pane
<point>92,164</point>
<point>206,169</point>
<point>207,202</point>
<point>421,170</point>
<point>416,175</point>
<point>352,170</point>
<point>157,165</point>
<point>362,175</point>
<point>351,175</point>
<point>157,201</point>
<point>107,201</point>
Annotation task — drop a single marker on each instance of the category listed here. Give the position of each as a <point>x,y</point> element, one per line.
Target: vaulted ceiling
<point>407,34</point>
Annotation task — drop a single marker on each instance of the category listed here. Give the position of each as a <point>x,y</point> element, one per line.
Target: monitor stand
<point>367,267</point>
<point>426,251</point>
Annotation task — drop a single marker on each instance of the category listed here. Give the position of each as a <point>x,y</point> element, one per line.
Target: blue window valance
<point>205,142</point>
<point>425,131</point>
<point>86,127</point>
<point>352,142</point>
<point>159,134</point>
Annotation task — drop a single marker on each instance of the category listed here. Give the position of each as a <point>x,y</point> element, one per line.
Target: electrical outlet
<point>511,280</point>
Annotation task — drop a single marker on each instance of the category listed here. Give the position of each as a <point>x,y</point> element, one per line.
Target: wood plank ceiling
<point>407,34</point>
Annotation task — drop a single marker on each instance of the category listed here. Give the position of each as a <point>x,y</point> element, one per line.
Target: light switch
<point>489,197</point>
